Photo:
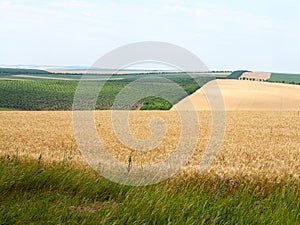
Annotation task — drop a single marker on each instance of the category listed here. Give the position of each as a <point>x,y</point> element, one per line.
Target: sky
<point>256,35</point>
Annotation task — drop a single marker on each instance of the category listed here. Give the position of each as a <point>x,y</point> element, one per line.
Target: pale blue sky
<point>226,35</point>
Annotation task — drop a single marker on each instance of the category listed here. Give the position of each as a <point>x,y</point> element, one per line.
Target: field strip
<point>61,78</point>
<point>241,95</point>
<point>4,78</point>
<point>42,77</point>
<point>256,144</point>
<point>104,79</point>
<point>256,75</point>
<point>104,72</point>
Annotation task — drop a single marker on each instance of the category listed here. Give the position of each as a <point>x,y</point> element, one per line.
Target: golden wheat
<point>256,144</point>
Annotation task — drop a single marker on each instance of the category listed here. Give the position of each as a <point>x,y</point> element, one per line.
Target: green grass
<point>58,95</point>
<point>285,78</point>
<point>33,193</point>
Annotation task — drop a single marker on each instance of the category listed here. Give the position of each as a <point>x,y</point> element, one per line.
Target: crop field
<point>254,178</point>
<point>59,95</point>
<point>256,143</point>
<point>242,95</point>
<point>102,76</point>
<point>285,78</point>
<point>255,76</point>
<point>12,71</point>
<point>265,76</point>
<point>256,169</point>
<point>237,74</point>
<point>37,92</point>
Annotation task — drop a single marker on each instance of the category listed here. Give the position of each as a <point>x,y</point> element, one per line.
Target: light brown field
<point>41,77</point>
<point>99,71</point>
<point>258,76</point>
<point>260,145</point>
<point>58,78</point>
<point>240,95</point>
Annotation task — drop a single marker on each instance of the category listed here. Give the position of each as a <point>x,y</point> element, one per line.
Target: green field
<point>25,74</point>
<point>41,90</point>
<point>13,71</point>
<point>285,78</point>
<point>61,192</point>
<point>236,74</point>
<point>45,94</point>
<point>33,193</point>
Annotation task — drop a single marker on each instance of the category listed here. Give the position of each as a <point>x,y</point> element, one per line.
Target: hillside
<point>13,71</point>
<point>247,95</point>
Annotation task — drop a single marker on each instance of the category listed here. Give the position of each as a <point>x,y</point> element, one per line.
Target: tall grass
<point>37,193</point>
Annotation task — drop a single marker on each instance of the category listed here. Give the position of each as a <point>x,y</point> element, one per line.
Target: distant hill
<point>245,96</point>
<point>262,76</point>
<point>237,74</point>
<point>13,71</point>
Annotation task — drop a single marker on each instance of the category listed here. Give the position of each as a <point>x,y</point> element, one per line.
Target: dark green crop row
<point>58,95</point>
<point>11,71</point>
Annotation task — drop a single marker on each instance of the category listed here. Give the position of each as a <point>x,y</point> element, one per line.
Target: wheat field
<point>243,95</point>
<point>260,145</point>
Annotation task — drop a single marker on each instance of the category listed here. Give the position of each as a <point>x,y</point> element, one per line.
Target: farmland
<point>257,169</point>
<point>285,78</point>
<point>237,74</point>
<point>255,76</point>
<point>13,71</point>
<point>243,153</point>
<point>264,76</point>
<point>243,95</point>
<point>254,178</point>
<point>34,93</point>
<point>100,125</point>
